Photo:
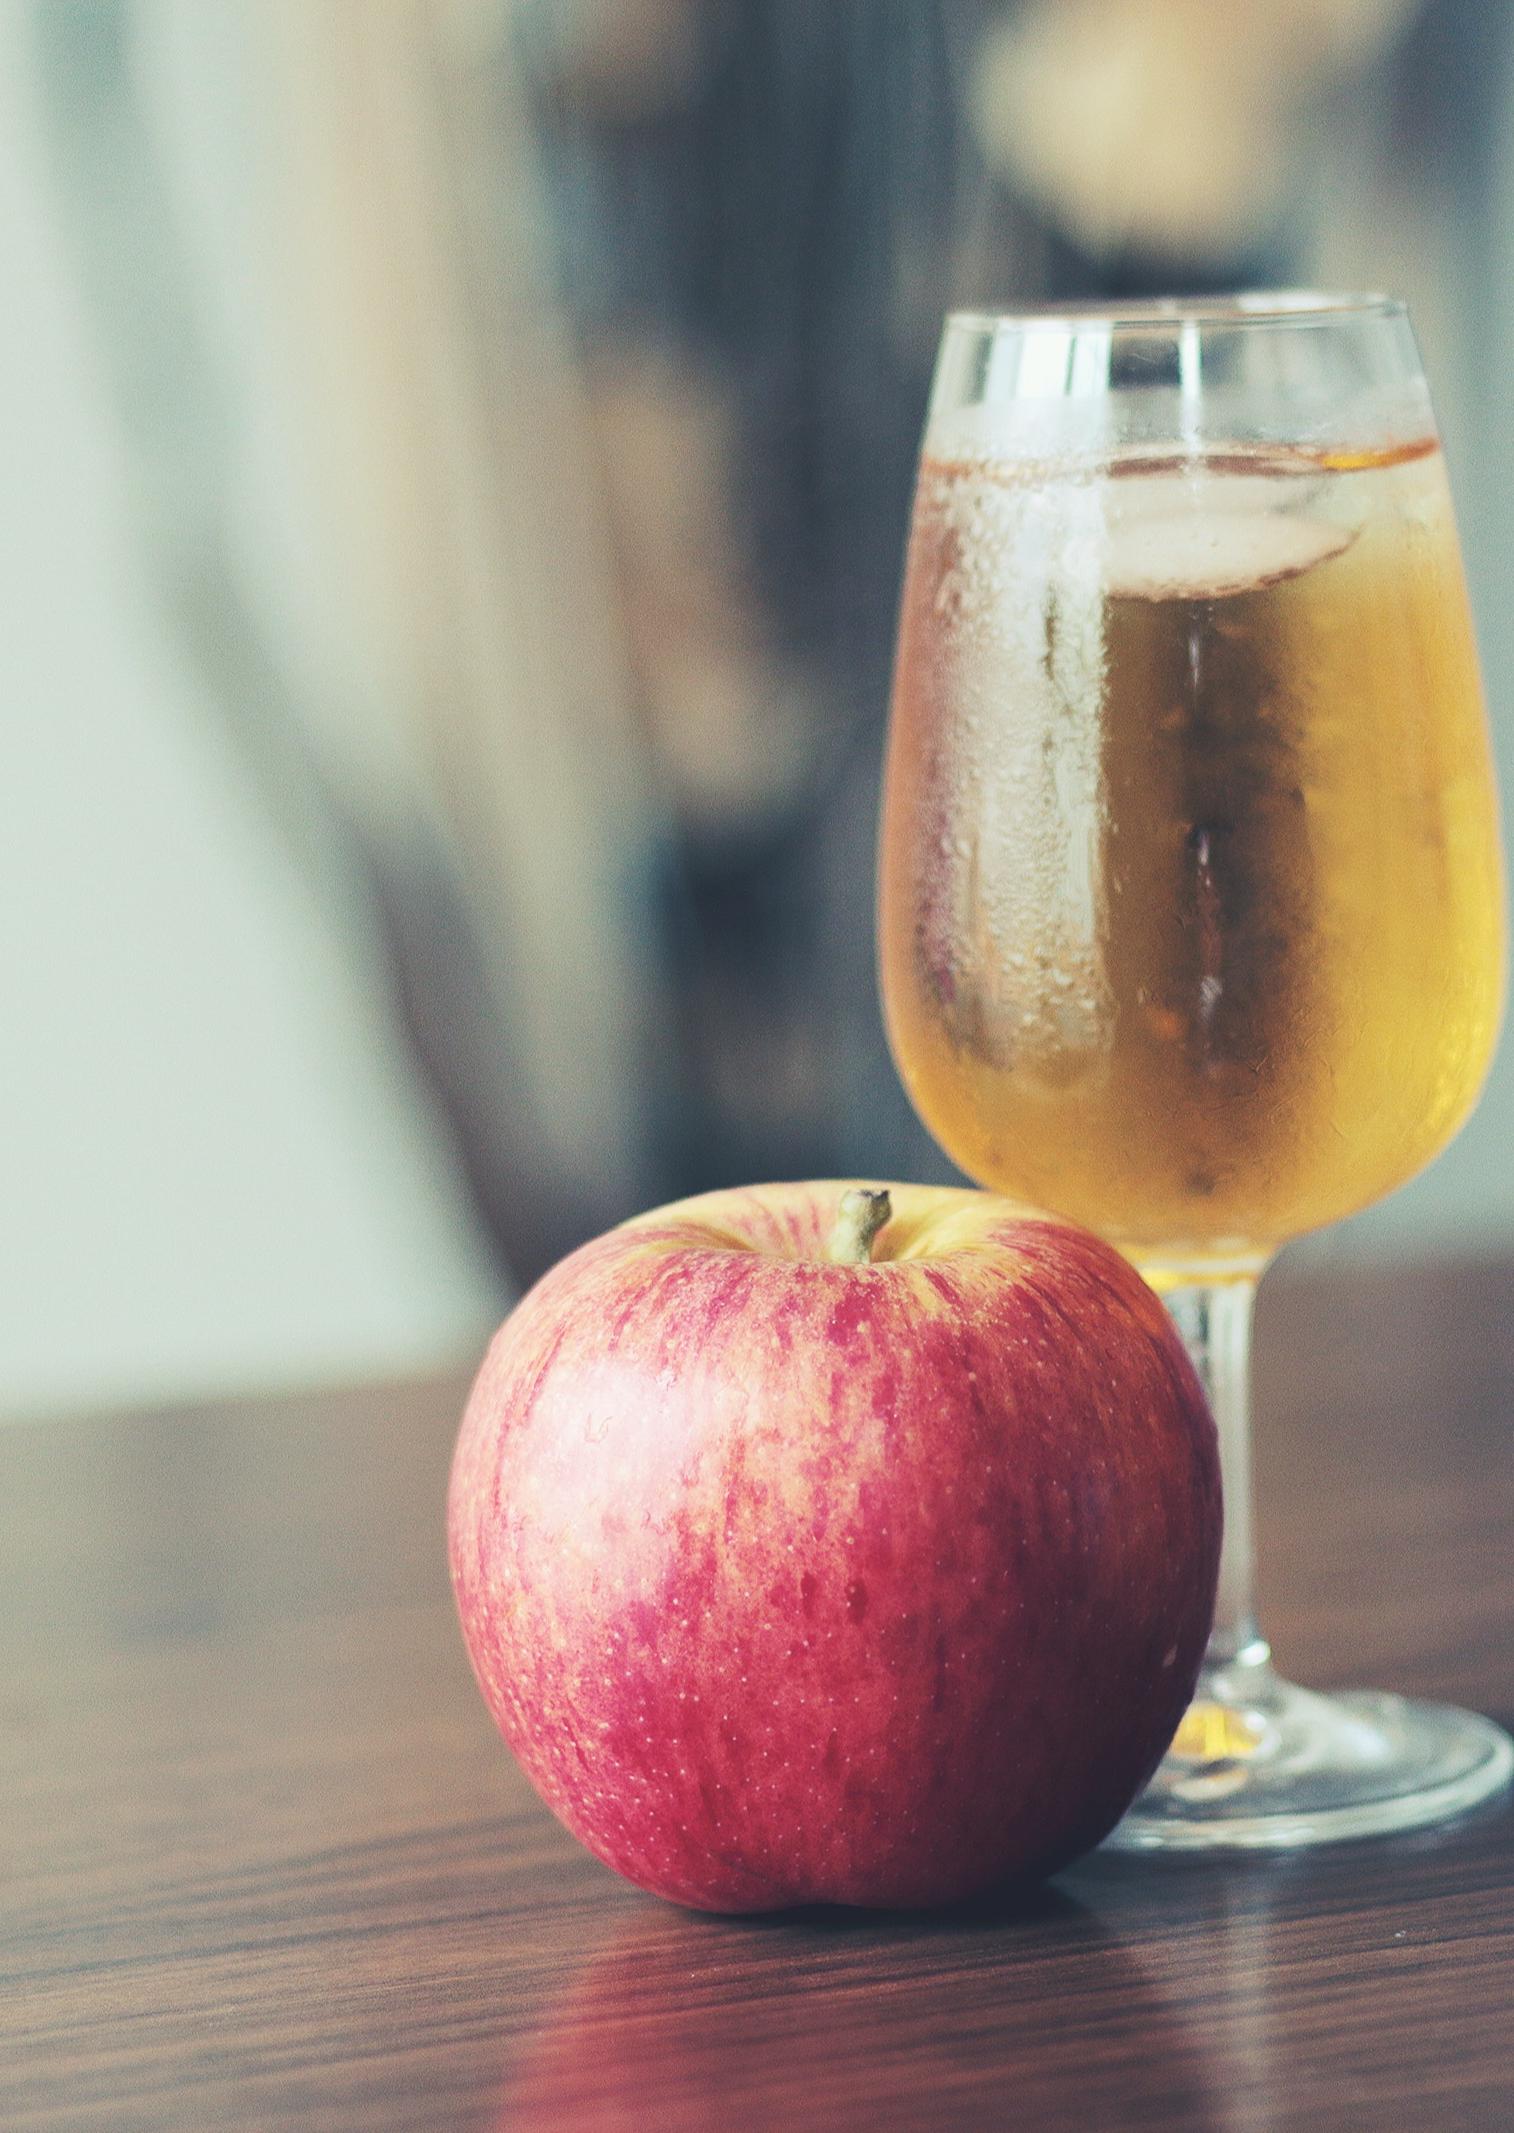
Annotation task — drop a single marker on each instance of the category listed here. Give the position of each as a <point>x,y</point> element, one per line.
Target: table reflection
<point>848,2021</point>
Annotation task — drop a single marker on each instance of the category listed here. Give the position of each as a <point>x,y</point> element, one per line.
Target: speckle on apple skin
<point>790,1582</point>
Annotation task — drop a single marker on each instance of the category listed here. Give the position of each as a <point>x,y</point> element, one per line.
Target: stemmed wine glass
<point>1191,919</point>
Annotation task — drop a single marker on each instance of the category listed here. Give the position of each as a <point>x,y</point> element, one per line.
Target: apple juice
<point>1192,917</point>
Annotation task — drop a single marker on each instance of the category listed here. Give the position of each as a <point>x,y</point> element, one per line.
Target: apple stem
<point>863,1213</point>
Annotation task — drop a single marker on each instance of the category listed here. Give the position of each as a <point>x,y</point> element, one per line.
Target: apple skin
<point>791,1582</point>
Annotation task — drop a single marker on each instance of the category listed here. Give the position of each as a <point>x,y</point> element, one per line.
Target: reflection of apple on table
<point>814,1543</point>
<point>843,2023</point>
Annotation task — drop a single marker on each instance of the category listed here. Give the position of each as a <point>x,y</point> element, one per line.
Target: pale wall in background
<point>215,1172</point>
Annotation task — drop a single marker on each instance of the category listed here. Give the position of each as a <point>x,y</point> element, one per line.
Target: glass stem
<point>1215,1322</point>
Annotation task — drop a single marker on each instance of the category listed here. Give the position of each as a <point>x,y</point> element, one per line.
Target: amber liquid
<point>1192,911</point>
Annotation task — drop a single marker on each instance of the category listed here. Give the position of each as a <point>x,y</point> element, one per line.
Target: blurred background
<point>456,456</point>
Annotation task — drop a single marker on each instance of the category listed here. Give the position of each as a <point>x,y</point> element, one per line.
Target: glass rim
<point>1154,314</point>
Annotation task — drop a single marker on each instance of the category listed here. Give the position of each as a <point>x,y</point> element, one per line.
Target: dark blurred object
<point>756,241</point>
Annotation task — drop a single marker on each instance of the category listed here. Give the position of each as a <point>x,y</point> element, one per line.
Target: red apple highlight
<point>798,1564</point>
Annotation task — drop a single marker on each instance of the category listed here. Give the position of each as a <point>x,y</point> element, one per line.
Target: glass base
<point>1259,1765</point>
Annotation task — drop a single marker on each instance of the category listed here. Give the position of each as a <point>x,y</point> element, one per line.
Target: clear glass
<point>1191,903</point>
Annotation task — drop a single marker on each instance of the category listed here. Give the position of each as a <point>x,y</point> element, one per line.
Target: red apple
<point>796,1574</point>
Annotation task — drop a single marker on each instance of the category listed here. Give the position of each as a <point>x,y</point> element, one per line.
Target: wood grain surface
<point>266,1865</point>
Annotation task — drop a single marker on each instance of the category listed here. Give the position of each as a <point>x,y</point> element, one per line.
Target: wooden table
<point>265,1863</point>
